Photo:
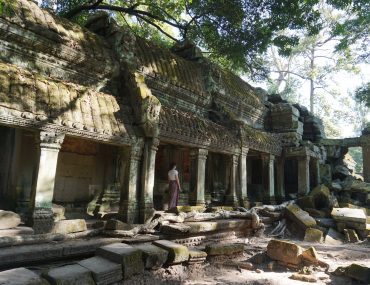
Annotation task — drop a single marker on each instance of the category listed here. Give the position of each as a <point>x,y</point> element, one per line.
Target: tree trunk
<point>312,77</point>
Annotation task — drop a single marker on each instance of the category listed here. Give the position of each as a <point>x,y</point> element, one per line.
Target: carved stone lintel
<point>42,220</point>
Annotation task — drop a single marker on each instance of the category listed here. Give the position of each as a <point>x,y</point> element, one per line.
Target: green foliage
<point>356,154</point>
<point>234,33</point>
<point>362,94</point>
<point>6,8</point>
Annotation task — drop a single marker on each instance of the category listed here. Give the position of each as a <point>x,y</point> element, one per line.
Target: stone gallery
<point>91,118</point>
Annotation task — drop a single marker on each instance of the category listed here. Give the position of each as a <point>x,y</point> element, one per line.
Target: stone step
<point>103,270</point>
<point>21,276</point>
<point>224,249</point>
<point>154,257</point>
<point>12,257</point>
<point>74,274</point>
<point>218,225</point>
<point>176,253</point>
<point>129,257</point>
<point>16,231</point>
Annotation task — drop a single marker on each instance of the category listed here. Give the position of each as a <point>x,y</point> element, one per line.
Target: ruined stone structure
<point>90,119</point>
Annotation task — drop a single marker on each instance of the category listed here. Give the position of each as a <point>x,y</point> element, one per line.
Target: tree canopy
<point>233,32</point>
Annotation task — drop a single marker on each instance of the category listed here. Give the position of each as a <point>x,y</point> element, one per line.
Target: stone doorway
<point>291,178</point>
<point>166,154</point>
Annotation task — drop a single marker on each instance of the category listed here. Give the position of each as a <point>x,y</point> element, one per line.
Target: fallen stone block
<point>306,202</point>
<point>103,270</point>
<point>359,272</point>
<point>21,276</point>
<point>310,255</point>
<point>333,237</point>
<point>187,209</point>
<point>286,252</point>
<point>304,277</point>
<point>69,226</point>
<point>350,236</point>
<point>224,249</point>
<point>176,253</point>
<point>313,235</point>
<point>69,275</point>
<point>117,225</point>
<point>349,215</point>
<point>175,229</point>
<point>341,172</point>
<point>321,197</point>
<point>128,256</point>
<point>9,220</point>
<point>154,257</point>
<point>299,218</point>
<point>326,222</point>
<point>196,256</point>
<point>317,213</point>
<point>16,231</point>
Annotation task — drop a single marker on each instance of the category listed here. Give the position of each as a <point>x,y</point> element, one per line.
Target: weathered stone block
<point>333,237</point>
<point>70,226</point>
<point>326,222</point>
<point>117,225</point>
<point>299,217</point>
<point>153,256</point>
<point>103,270</point>
<point>175,229</point>
<point>359,272</point>
<point>177,253</point>
<point>21,276</point>
<point>128,256</point>
<point>69,275</point>
<point>9,220</point>
<point>187,209</point>
<point>317,213</point>
<point>321,197</point>
<point>313,235</point>
<point>283,251</point>
<point>224,249</point>
<point>310,255</point>
<point>349,215</point>
<point>16,231</point>
<point>306,202</point>
<point>350,236</point>
<point>58,212</point>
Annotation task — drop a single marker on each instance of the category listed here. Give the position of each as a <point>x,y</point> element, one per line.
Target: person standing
<point>174,186</point>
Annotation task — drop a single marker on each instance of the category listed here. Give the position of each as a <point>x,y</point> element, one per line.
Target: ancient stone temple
<point>91,118</point>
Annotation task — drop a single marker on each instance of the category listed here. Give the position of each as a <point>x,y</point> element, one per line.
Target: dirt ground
<point>222,272</point>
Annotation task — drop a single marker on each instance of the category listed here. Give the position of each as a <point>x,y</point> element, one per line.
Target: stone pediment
<point>29,100</point>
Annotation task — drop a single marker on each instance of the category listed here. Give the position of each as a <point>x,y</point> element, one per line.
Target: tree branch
<point>291,72</point>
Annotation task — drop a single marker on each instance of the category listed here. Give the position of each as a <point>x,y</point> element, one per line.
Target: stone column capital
<point>154,144</point>
<point>50,140</point>
<point>267,156</point>
<point>199,153</point>
<point>244,151</point>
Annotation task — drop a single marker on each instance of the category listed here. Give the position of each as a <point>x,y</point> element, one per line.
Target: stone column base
<point>231,200</point>
<point>146,211</point>
<point>246,203</point>
<point>129,212</point>
<point>42,220</point>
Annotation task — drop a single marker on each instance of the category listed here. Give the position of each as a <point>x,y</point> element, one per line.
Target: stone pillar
<point>280,186</point>
<point>231,198</point>
<point>303,175</point>
<point>268,161</point>
<point>243,176</point>
<point>148,174</point>
<point>315,165</point>
<point>198,159</point>
<point>48,144</point>
<point>129,178</point>
<point>366,162</point>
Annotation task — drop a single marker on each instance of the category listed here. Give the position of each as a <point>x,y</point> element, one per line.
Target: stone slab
<point>69,275</point>
<point>284,251</point>
<point>154,257</point>
<point>299,217</point>
<point>140,239</point>
<point>349,215</point>
<point>117,225</point>
<point>176,253</point>
<point>103,270</point>
<point>196,253</point>
<point>16,231</point>
<point>9,220</point>
<point>21,276</point>
<point>218,225</point>
<point>333,237</point>
<point>70,226</point>
<point>313,235</point>
<point>359,272</point>
<point>128,256</point>
<point>224,249</point>
<point>350,236</point>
